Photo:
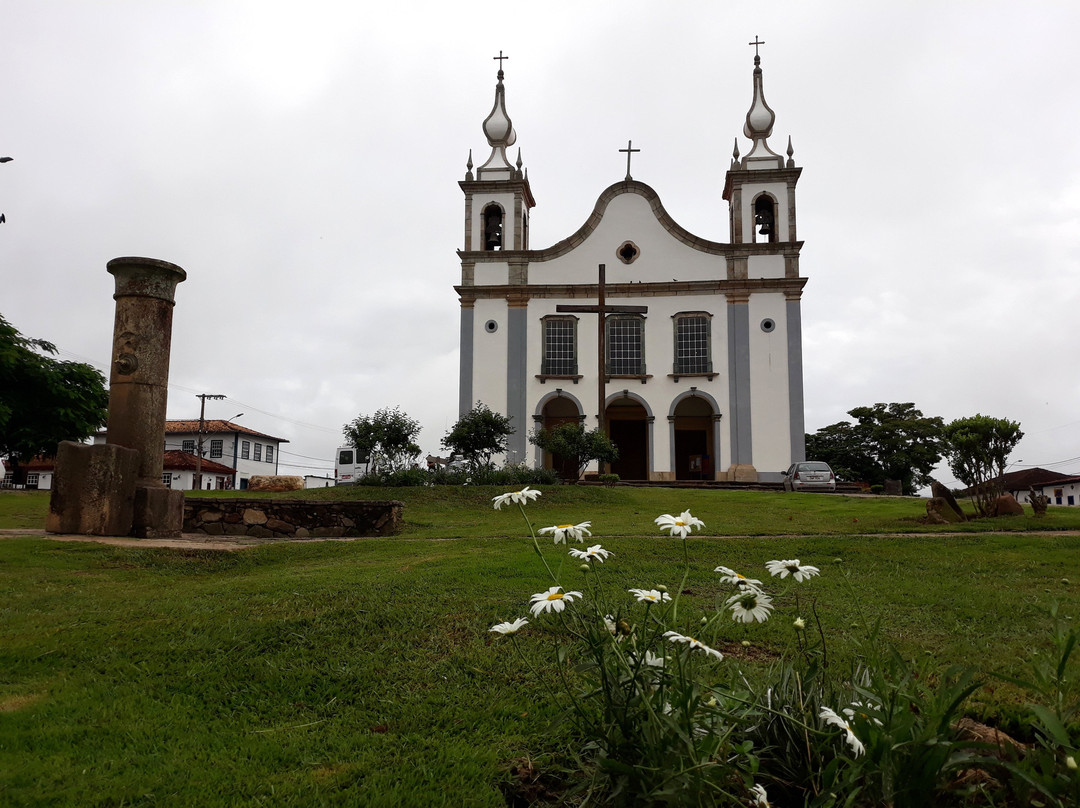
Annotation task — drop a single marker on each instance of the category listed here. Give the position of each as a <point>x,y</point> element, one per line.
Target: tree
<point>887,442</point>
<point>43,400</point>
<point>388,438</point>
<point>478,434</point>
<point>978,449</point>
<point>571,442</point>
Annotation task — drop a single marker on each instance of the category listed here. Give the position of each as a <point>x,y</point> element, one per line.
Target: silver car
<point>809,475</point>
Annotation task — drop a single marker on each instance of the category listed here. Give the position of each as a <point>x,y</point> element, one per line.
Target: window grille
<point>166,479</point>
<point>692,345</point>
<point>258,452</point>
<point>625,346</point>
<point>560,347</point>
<point>215,448</point>
<point>269,454</point>
<point>188,446</point>
<point>245,449</point>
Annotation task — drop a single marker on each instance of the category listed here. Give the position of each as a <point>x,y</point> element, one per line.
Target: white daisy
<point>750,606</point>
<point>522,497</point>
<point>760,798</point>
<point>794,567</point>
<point>650,595</point>
<point>510,628</point>
<point>552,600</point>
<point>729,576</point>
<point>830,717</point>
<point>680,525</point>
<point>651,660</point>
<point>595,551</point>
<point>563,532</point>
<point>674,636</point>
<point>858,708</point>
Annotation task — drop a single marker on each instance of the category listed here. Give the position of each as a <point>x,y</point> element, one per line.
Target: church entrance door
<point>558,411</point>
<point>694,439</point>
<point>628,428</point>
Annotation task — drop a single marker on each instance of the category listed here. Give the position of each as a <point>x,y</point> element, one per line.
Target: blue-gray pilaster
<point>465,372</point>
<point>516,358</point>
<point>739,382</point>
<point>795,380</point>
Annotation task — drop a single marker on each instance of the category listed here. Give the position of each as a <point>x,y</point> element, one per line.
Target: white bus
<point>351,465</point>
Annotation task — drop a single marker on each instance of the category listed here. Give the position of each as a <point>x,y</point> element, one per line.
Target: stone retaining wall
<point>290,518</point>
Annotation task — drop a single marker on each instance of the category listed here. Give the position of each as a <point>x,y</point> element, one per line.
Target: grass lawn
<point>363,673</point>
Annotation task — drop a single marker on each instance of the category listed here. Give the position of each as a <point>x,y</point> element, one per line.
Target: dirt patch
<point>10,704</point>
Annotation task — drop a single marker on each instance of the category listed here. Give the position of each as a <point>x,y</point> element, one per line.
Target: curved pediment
<point>676,230</point>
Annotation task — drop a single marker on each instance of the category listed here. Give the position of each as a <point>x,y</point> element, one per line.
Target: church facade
<point>702,340</point>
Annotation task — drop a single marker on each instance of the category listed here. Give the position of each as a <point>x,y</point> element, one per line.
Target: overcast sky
<point>300,161</point>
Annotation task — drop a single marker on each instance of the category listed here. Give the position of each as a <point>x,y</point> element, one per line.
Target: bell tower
<point>760,188</point>
<point>497,198</point>
<point>765,318</point>
<point>494,331</point>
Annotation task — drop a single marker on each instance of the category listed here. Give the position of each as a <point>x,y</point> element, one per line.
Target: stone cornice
<point>741,177</point>
<point>740,289</point>
<point>475,187</point>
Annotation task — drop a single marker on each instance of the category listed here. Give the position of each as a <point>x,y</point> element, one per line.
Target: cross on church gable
<point>629,151</point>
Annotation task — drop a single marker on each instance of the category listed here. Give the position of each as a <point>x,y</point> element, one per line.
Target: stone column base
<point>742,473</point>
<point>93,491</point>
<point>158,513</point>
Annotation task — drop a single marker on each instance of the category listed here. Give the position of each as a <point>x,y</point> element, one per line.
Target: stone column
<point>138,383</point>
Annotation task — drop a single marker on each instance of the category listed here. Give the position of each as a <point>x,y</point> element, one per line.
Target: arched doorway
<point>628,428</point>
<point>558,410</point>
<point>693,439</point>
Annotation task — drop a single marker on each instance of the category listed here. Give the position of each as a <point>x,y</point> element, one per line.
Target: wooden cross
<point>500,58</point>
<point>602,310</point>
<point>628,151</point>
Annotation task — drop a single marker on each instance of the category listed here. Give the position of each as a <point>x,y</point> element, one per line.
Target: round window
<point>491,326</point>
<point>768,325</point>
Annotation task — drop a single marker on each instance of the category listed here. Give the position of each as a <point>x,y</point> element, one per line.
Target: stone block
<point>278,526</point>
<point>743,473</point>
<point>253,516</point>
<point>159,513</point>
<point>260,532</point>
<point>271,482</point>
<point>93,490</point>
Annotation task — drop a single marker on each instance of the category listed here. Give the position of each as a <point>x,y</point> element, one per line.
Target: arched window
<point>493,227</point>
<point>764,219</point>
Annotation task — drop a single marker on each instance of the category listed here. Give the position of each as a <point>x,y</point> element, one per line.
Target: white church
<point>702,356</point>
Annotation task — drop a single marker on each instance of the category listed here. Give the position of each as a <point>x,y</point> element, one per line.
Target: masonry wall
<point>290,518</point>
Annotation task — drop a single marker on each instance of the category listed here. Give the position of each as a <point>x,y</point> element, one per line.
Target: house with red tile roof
<point>236,452</point>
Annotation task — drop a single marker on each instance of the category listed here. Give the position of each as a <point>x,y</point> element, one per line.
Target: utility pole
<point>202,426</point>
<point>8,160</point>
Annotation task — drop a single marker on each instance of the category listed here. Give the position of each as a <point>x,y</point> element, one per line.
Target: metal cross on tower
<point>602,310</point>
<point>629,151</point>
<point>755,43</point>
<point>500,59</point>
